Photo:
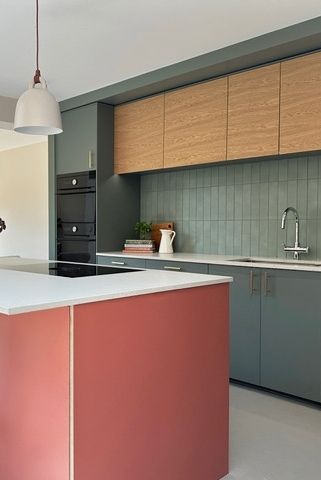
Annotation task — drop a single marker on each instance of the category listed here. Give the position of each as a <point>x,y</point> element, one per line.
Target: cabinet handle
<point>266,288</point>
<point>252,289</point>
<point>90,160</point>
<point>117,263</point>
<point>167,267</point>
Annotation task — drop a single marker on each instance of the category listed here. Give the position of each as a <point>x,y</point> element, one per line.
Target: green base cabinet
<point>245,329</point>
<point>291,333</point>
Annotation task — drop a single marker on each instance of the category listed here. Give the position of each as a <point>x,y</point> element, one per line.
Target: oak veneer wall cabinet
<point>300,108</point>
<point>195,124</point>
<point>139,135</point>
<point>253,113</point>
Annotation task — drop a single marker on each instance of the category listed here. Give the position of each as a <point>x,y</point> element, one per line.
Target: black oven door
<point>76,207</point>
<point>78,250</point>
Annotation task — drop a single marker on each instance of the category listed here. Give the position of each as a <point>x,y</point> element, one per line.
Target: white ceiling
<point>10,139</point>
<point>88,44</point>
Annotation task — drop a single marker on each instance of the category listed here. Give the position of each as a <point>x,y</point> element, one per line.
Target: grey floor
<point>272,438</point>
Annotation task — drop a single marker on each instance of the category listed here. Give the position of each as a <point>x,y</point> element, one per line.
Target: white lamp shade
<point>37,112</point>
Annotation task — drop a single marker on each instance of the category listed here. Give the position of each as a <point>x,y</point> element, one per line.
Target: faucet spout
<point>296,249</point>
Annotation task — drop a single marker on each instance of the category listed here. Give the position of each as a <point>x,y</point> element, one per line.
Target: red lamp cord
<point>36,78</point>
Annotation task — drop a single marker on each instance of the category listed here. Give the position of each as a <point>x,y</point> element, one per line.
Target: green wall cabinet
<point>291,333</point>
<point>245,329</point>
<point>76,147</point>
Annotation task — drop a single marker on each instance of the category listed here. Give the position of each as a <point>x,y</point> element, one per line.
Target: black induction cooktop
<point>71,270</point>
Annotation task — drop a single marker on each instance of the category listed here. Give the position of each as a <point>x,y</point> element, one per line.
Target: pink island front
<point>129,388</point>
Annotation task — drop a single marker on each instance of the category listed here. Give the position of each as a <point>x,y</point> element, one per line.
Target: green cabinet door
<point>244,322</point>
<point>76,147</point>
<point>291,333</point>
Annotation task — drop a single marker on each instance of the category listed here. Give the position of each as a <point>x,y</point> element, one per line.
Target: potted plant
<point>143,229</point>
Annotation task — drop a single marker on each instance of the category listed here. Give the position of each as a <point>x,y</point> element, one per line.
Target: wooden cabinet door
<point>245,324</point>
<point>76,147</point>
<point>253,113</point>
<point>291,333</point>
<point>195,124</point>
<point>139,135</point>
<point>300,108</point>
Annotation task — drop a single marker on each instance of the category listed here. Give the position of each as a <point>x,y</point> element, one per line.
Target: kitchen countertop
<point>25,292</point>
<point>227,260</point>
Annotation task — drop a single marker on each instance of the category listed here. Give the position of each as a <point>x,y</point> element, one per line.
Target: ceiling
<point>10,139</point>
<point>88,45</point>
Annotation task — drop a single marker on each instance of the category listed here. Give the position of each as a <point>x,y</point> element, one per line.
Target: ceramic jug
<point>166,243</point>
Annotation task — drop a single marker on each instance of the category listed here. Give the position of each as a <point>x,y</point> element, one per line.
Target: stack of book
<point>139,246</point>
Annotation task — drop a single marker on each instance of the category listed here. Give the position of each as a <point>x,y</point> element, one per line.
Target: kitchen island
<point>119,376</point>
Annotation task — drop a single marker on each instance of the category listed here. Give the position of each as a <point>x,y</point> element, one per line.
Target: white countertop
<point>24,292</point>
<point>227,260</point>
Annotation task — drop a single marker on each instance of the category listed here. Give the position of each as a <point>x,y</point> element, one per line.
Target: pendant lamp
<point>37,110</point>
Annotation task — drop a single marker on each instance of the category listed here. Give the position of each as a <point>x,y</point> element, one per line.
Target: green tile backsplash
<point>236,209</point>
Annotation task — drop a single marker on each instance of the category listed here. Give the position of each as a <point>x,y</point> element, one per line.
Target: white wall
<point>7,109</point>
<point>24,201</point>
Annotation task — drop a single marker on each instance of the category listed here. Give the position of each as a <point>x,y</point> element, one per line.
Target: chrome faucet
<point>296,249</point>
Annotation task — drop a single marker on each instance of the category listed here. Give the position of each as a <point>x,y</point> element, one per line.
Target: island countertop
<point>26,292</point>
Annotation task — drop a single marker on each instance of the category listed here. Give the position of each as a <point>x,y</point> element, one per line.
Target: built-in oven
<point>76,217</point>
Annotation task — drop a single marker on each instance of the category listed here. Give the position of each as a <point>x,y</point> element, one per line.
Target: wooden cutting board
<point>156,234</point>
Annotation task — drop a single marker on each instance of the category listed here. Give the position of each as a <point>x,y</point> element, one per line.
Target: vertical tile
<point>172,204</point>
<point>214,203</point>
<point>207,176</point>
<point>179,204</point>
<point>185,178</point>
<point>143,184</point>
<point>255,201</point>
<point>264,201</point>
<point>200,178</point>
<point>318,253</point>
<point>302,168</point>
<point>230,174</point>
<point>273,170</point>
<point>292,193</point>
<point>246,195</point>
<point>313,167</point>
<point>282,198</point>
<point>179,179</point>
<point>142,206</point>
<point>207,203</point>
<point>255,172</point>
<point>283,169</point>
<point>160,206</point>
<point>255,230</point>
<point>200,204</point>
<point>221,237</point>
<point>247,173</point>
<point>273,200</point>
<point>312,198</point>
<point>229,243</point>
<point>207,236</point>
<point>160,181</point>
<point>214,179</point>
<point>192,236</point>
<point>230,202</point>
<point>154,206</point>
<point>312,233</point>
<point>292,169</point>
<point>185,241</point>
<point>199,248</point>
<point>172,180</point>
<point>264,171</point>
<point>192,204</point>
<point>222,203</point>
<point>246,238</point>
<point>148,210</point>
<point>239,174</point>
<point>214,237</point>
<point>238,202</point>
<point>186,215</point>
<point>303,198</point>
<point>237,241</point>
<point>192,178</point>
<point>281,239</point>
<point>167,178</point>
<point>263,238</point>
<point>319,198</point>
<point>272,250</point>
<point>222,175</point>
<point>179,239</point>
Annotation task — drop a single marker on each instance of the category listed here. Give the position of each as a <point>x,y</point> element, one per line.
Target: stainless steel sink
<point>275,261</point>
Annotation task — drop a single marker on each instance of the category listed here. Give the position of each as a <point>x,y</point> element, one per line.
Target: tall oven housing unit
<point>94,209</point>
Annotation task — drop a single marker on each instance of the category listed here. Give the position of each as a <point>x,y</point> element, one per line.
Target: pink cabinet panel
<point>34,395</point>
